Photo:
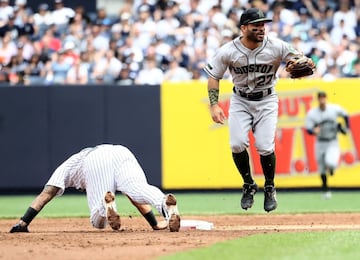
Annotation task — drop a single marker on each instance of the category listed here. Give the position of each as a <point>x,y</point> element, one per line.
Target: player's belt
<point>254,95</point>
<point>325,139</point>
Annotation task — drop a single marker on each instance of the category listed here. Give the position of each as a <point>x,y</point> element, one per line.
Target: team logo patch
<point>260,14</point>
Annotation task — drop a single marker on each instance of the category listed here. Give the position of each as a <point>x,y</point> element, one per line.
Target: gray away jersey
<point>326,119</point>
<point>251,70</point>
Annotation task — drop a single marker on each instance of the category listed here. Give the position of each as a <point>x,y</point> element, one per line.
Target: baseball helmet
<point>253,15</point>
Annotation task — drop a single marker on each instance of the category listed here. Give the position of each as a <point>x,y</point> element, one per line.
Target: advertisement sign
<point>196,152</point>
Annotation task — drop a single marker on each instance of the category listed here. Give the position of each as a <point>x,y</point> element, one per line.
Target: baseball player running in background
<point>253,60</point>
<point>322,121</point>
<point>101,171</point>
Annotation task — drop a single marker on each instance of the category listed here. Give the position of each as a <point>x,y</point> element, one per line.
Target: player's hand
<point>316,130</point>
<point>217,114</point>
<point>19,228</point>
<point>163,224</point>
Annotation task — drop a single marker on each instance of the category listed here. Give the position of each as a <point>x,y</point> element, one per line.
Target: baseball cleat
<point>247,199</point>
<point>270,202</point>
<point>19,228</point>
<point>172,213</point>
<point>327,195</point>
<point>113,218</point>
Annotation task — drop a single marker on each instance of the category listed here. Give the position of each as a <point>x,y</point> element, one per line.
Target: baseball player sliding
<point>253,60</point>
<point>322,122</point>
<point>101,171</point>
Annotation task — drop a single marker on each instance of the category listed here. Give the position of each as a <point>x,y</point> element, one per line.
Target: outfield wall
<point>168,128</point>
<point>41,126</point>
<point>196,152</point>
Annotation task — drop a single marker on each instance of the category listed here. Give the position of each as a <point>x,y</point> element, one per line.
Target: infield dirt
<point>74,238</point>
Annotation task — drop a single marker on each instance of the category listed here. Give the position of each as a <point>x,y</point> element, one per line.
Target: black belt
<point>324,139</point>
<point>255,95</point>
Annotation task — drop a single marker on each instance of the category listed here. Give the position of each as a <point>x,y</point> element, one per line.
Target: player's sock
<point>150,218</point>
<point>324,182</point>
<point>268,166</point>
<point>242,163</point>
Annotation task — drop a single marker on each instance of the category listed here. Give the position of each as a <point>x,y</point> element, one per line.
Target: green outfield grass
<point>307,245</point>
<point>215,203</point>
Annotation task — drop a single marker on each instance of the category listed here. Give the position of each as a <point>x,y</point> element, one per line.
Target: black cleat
<point>19,228</point>
<point>270,202</point>
<point>247,199</point>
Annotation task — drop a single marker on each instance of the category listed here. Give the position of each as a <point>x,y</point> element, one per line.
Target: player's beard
<point>254,35</point>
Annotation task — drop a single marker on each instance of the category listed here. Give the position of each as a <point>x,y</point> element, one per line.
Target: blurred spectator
<point>345,14</point>
<point>107,67</point>
<point>22,11</point>
<point>77,74</point>
<point>167,26</point>
<point>32,73</point>
<point>303,26</point>
<point>176,73</point>
<point>61,16</point>
<point>356,71</point>
<point>216,17</point>
<point>125,77</point>
<point>7,48</point>
<point>11,27</point>
<point>98,38</point>
<point>48,44</point>
<point>150,74</point>
<point>6,11</point>
<point>339,31</point>
<point>144,29</point>
<point>332,73</point>
<point>59,68</point>
<point>122,27</point>
<point>4,77</point>
<point>42,20</point>
<point>70,54</point>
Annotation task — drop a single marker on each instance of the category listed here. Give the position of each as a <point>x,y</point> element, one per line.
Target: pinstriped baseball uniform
<point>327,146</point>
<point>104,168</point>
<point>254,103</point>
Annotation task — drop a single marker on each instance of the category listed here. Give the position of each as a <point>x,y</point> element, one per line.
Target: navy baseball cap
<point>253,15</point>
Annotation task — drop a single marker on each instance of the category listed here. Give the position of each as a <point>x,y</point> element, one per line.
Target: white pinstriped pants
<point>115,168</point>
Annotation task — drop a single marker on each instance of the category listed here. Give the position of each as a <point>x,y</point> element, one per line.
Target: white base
<point>196,224</point>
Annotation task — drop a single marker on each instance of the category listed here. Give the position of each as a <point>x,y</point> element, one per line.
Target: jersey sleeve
<point>288,51</point>
<point>309,121</point>
<point>218,64</point>
<point>57,179</point>
<point>341,111</point>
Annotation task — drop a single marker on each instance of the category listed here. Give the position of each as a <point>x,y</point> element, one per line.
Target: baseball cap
<point>321,94</point>
<point>253,15</point>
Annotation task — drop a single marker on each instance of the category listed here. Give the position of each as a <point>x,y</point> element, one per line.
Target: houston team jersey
<point>251,70</point>
<point>326,119</point>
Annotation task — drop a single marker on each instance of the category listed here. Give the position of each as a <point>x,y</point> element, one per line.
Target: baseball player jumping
<point>101,171</point>
<point>253,60</point>
<point>322,122</point>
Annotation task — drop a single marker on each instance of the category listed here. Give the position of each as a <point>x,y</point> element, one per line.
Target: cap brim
<point>261,20</point>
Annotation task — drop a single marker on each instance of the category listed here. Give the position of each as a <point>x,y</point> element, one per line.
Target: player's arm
<point>314,130</point>
<point>47,194</point>
<point>148,214</point>
<point>341,128</point>
<point>216,111</point>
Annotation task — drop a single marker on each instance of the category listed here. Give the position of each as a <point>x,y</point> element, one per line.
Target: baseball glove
<point>300,66</point>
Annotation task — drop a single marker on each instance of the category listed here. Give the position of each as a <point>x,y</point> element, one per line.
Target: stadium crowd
<point>149,42</point>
